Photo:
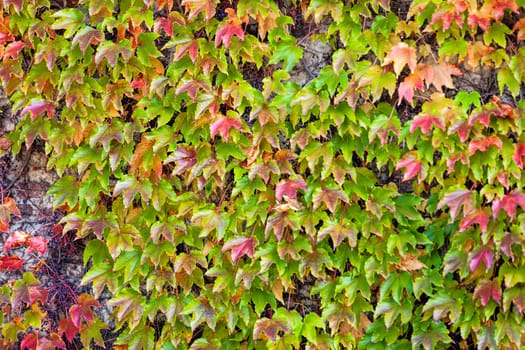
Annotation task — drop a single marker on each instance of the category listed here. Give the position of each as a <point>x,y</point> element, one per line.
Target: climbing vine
<point>223,204</point>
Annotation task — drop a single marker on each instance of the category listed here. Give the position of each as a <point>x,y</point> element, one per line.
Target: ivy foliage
<point>218,195</point>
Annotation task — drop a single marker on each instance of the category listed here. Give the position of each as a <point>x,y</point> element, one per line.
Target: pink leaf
<point>479,217</point>
<point>289,188</point>
<point>15,239</point>
<point>230,28</point>
<point>485,256</point>
<point>13,50</point>
<point>240,246</point>
<point>411,164</point>
<point>82,310</point>
<point>509,203</point>
<point>462,128</point>
<point>487,290</point>
<point>483,144</point>
<point>37,107</point>
<point>425,122</point>
<point>222,125</point>
<point>37,294</point>
<point>518,154</point>
<point>455,200</point>
<point>37,244</point>
<point>30,341</point>
<point>506,244</point>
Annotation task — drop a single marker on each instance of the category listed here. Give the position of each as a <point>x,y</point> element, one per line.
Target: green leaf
<point>64,191</point>
<point>288,51</point>
<point>69,19</point>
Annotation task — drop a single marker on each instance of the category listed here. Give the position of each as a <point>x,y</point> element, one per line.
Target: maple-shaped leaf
<point>330,197</point>
<point>519,153</point>
<point>191,87</point>
<point>16,239</point>
<point>38,107</point>
<point>30,341</point>
<point>184,158</point>
<point>166,23</point>
<point>409,262</point>
<point>507,241</point>
<point>228,29</point>
<point>83,309</point>
<point>446,17</point>
<point>407,86</point>
<point>13,50</point>
<point>400,55</point>
<point>191,48</point>
<point>7,208</point>
<point>455,200</point>
<point>498,7</point>
<point>487,290</point>
<point>277,222</point>
<point>441,75</point>
<point>129,186</point>
<point>482,144</point>
<point>85,37</point>
<point>485,256</point>
<point>37,294</point>
<point>266,328</point>
<point>37,244</point>
<point>289,188</point>
<point>11,263</point>
<point>197,6</point>
<point>509,203</point>
<point>480,217</point>
<point>338,232</point>
<point>519,26</point>
<point>425,122</point>
<point>240,246</point>
<point>223,125</point>
<point>412,166</point>
<point>110,51</point>
<point>462,128</point>
<point>67,328</point>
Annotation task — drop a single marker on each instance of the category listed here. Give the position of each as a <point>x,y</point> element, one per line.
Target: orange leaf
<point>401,55</point>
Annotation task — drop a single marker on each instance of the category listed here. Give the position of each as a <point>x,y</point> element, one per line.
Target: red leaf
<point>483,144</point>
<point>13,50</point>
<point>197,6</point>
<point>289,188</point>
<point>37,107</point>
<point>487,290</point>
<point>509,203</point>
<point>425,122</point>
<point>480,217</point>
<point>30,341</point>
<point>138,83</point>
<point>7,208</point>
<point>485,256</point>
<point>37,244</point>
<point>455,200</point>
<point>82,310</point>
<point>518,154</point>
<point>240,246</point>
<point>406,88</point>
<point>8,37</point>
<point>498,7</point>
<point>482,117</point>
<point>222,125</point>
<point>68,328</point>
<point>230,28</point>
<point>411,164</point>
<point>447,17</point>
<point>400,55</point>
<point>11,263</point>
<point>16,239</point>
<point>191,87</point>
